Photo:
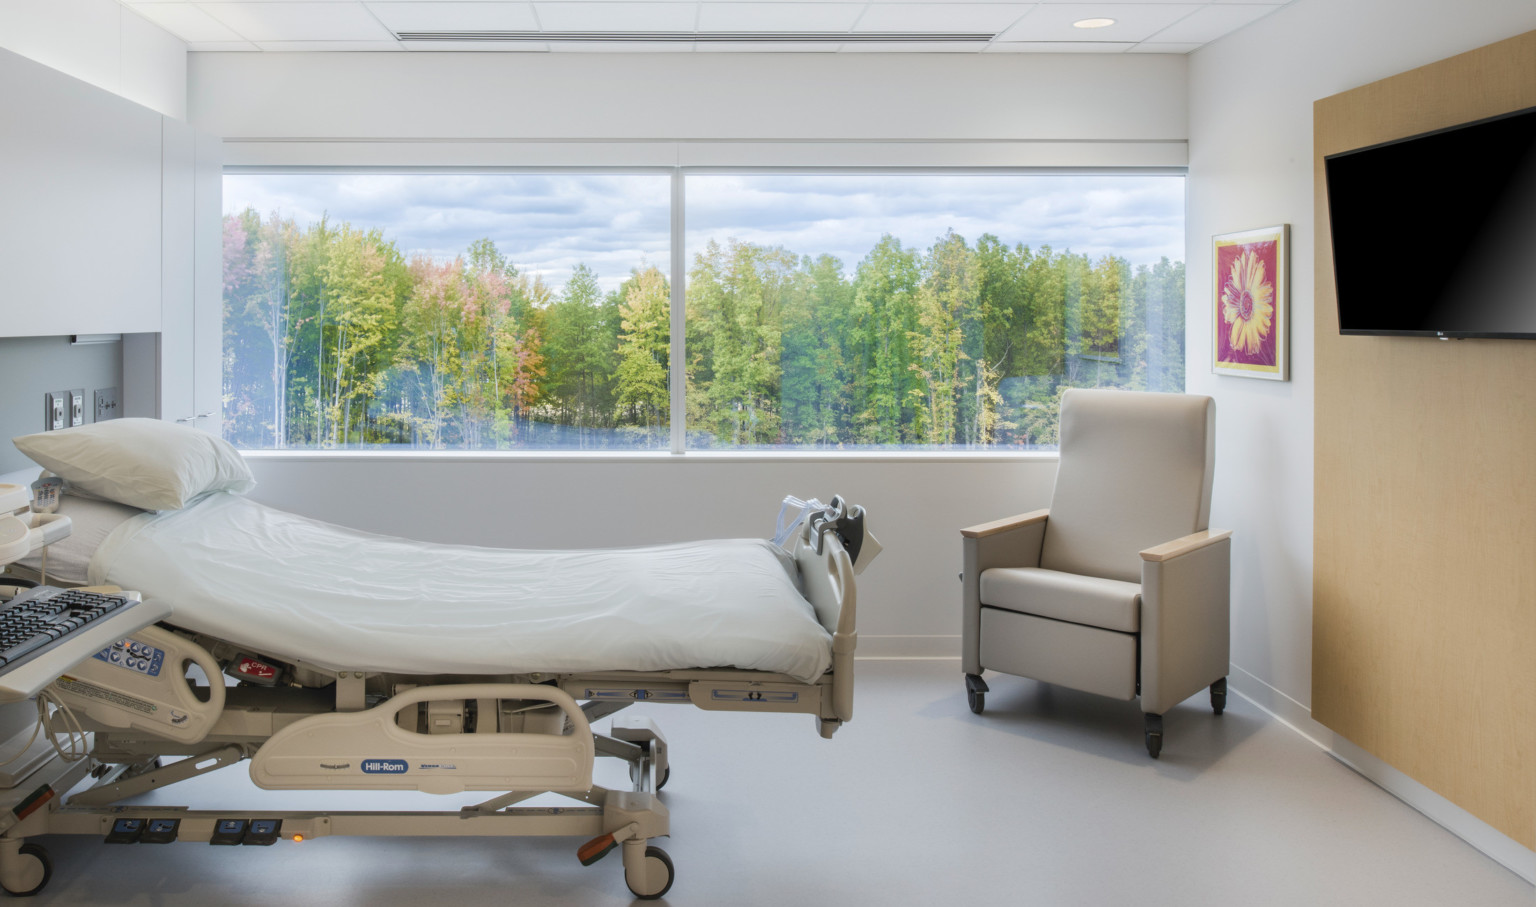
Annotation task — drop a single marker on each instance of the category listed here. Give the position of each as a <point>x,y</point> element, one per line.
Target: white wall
<point>678,97</point>
<point>1250,144</point>
<point>103,43</point>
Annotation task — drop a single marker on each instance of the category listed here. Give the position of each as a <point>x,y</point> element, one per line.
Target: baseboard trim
<point>1499,847</point>
<point>914,647</point>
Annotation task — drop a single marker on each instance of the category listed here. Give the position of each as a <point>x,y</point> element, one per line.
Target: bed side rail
<point>829,585</point>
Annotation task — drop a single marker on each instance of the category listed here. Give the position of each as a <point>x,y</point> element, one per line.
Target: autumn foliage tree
<point>333,339</point>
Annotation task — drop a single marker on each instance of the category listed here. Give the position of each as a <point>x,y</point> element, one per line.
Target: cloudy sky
<point>548,223</point>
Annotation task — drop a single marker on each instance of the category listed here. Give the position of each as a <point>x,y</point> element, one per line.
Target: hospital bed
<point>336,660</point>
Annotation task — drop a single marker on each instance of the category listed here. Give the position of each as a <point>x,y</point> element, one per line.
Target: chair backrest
<point>1136,471</point>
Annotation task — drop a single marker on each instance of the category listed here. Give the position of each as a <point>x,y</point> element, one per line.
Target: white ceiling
<point>1141,26</point>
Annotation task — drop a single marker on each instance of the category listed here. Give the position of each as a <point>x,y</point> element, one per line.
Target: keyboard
<point>39,620</point>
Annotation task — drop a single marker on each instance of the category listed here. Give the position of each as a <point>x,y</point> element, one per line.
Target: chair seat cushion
<point>1107,603</point>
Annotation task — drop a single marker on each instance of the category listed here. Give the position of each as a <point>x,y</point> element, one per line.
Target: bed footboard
<point>829,585</point>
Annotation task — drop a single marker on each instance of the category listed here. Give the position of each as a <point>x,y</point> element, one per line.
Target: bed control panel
<point>140,682</point>
<point>139,657</point>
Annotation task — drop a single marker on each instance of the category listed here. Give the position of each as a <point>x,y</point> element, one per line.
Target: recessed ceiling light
<point>1092,23</point>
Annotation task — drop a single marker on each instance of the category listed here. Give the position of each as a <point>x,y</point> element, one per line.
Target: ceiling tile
<point>449,16</point>
<point>1133,22</point>
<point>1058,47</point>
<point>266,21</point>
<point>778,16</point>
<point>941,17</point>
<point>186,22</point>
<point>607,15</point>
<point>221,46</point>
<point>1149,47</point>
<point>330,46</point>
<point>1212,22</point>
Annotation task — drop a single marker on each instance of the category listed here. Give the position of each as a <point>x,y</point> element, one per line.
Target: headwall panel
<point>1424,590</point>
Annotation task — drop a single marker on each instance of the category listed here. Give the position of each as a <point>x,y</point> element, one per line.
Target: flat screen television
<point>1435,235</point>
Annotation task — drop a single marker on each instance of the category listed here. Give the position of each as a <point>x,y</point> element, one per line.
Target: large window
<point>446,311</point>
<point>826,311</point>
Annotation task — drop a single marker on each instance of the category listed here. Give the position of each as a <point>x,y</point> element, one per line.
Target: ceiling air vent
<point>708,37</point>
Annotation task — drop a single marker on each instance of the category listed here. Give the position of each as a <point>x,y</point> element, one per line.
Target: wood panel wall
<point>1424,591</point>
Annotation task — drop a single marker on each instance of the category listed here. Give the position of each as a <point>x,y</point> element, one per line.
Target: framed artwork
<point>1252,303</point>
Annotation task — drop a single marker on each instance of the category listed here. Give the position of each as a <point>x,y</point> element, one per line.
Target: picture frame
<point>1251,305</point>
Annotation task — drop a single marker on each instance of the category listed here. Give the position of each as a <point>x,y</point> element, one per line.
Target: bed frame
<point>540,741</point>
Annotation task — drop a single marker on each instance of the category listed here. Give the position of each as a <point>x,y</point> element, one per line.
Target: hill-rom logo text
<point>385,766</point>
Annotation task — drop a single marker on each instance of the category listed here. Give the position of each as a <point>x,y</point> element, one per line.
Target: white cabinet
<point>177,373</point>
<point>80,195</point>
<point>178,161</point>
<point>208,284</point>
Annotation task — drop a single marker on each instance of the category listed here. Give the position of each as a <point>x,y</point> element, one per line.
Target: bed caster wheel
<point>652,877</point>
<point>661,780</point>
<point>27,873</point>
<point>666,774</point>
<point>1219,696</point>
<point>1154,732</point>
<point>976,692</point>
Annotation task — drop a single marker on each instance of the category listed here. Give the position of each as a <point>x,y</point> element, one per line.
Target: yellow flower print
<point>1247,303</point>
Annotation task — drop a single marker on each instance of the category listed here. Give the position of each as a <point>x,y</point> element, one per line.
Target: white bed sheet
<point>302,590</point>
<point>91,522</point>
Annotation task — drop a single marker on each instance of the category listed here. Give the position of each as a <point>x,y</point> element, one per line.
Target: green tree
<point>736,295</point>
<point>816,396</point>
<point>581,350</point>
<point>885,317</point>
<point>644,354</point>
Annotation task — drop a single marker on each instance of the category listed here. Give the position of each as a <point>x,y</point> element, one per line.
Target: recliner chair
<point>1119,588</point>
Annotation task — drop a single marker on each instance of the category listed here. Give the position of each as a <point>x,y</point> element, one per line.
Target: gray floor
<point>1047,799</point>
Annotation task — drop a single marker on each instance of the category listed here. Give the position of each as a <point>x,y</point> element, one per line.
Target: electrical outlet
<point>54,409</point>
<point>106,404</point>
<point>77,407</point>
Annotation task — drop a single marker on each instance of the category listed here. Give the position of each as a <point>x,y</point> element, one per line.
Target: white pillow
<point>144,463</point>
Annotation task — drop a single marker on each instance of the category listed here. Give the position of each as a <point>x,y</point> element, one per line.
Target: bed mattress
<point>337,599</point>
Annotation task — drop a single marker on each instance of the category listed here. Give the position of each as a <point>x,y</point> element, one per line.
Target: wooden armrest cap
<point>1192,542</point>
<point>982,530</point>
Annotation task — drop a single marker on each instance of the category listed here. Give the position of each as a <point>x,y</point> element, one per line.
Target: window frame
<point>677,277</point>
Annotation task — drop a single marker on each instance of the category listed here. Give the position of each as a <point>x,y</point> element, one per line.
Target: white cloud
<point>548,223</point>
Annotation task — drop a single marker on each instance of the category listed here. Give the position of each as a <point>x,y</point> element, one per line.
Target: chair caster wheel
<point>1154,734</point>
<point>1219,696</point>
<point>976,692</point>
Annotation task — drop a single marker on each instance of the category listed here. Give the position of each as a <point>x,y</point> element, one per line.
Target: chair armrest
<point>1182,546</point>
<point>1186,625</point>
<point>982,530</point>
<point>1013,542</point>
